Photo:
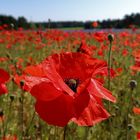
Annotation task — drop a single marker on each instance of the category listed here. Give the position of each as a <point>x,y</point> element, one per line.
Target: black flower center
<point>72,83</point>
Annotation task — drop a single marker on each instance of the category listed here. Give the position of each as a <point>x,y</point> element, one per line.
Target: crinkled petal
<point>95,88</point>
<point>55,78</point>
<point>35,71</point>
<point>29,81</point>
<point>81,102</point>
<point>103,70</point>
<point>68,65</point>
<point>92,114</point>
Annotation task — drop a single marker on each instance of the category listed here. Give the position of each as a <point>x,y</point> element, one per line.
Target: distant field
<point>71,28</point>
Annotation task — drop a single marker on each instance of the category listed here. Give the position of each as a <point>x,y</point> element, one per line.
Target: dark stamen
<point>72,83</point>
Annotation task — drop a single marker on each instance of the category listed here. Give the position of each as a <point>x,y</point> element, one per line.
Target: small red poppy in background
<point>66,88</point>
<point>136,66</point>
<point>84,48</point>
<point>10,137</point>
<point>136,110</point>
<point>95,24</point>
<point>133,27</point>
<point>4,77</point>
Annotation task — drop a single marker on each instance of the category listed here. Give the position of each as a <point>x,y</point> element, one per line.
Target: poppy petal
<point>3,89</point>
<point>56,112</point>
<point>95,88</point>
<point>29,81</point>
<point>103,70</point>
<point>81,102</point>
<point>92,114</point>
<point>45,91</point>
<point>4,76</point>
<point>55,78</point>
<point>35,71</point>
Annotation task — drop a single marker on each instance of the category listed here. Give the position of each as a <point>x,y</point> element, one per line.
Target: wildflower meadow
<point>69,85</point>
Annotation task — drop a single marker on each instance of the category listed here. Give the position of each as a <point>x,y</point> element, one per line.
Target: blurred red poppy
<point>84,48</point>
<point>95,24</point>
<point>136,110</point>
<point>136,66</point>
<point>66,88</point>
<point>10,137</point>
<point>138,135</point>
<point>4,77</point>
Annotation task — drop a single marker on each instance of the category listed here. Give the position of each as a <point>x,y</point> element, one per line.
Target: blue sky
<point>61,10</point>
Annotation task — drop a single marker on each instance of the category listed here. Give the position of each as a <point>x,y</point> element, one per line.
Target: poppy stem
<point>132,85</point>
<point>2,122</point>
<point>21,113</point>
<point>110,38</point>
<point>127,115</point>
<point>39,130</point>
<point>109,64</point>
<point>7,121</point>
<point>64,135</point>
<point>29,126</point>
<point>109,67</point>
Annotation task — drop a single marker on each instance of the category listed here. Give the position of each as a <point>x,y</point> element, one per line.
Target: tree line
<point>126,22</point>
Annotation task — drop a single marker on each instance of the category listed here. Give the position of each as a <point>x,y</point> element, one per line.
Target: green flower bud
<point>1,112</point>
<point>133,84</point>
<point>12,98</point>
<point>110,37</point>
<point>21,83</point>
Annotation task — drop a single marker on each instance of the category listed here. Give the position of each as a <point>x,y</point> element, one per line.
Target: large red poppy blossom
<point>66,88</point>
<point>4,77</point>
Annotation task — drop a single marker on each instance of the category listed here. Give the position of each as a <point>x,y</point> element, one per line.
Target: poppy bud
<point>110,37</point>
<point>130,126</point>
<point>132,84</point>
<point>8,55</point>
<point>20,100</point>
<point>1,112</point>
<point>12,97</point>
<point>21,84</point>
<point>12,25</point>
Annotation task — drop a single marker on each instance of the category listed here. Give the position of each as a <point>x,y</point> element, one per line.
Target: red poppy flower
<point>95,24</point>
<point>10,137</point>
<point>84,48</point>
<point>65,88</point>
<point>136,110</point>
<point>4,77</point>
<point>136,66</point>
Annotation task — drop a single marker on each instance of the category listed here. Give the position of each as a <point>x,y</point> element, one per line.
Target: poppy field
<point>58,85</point>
